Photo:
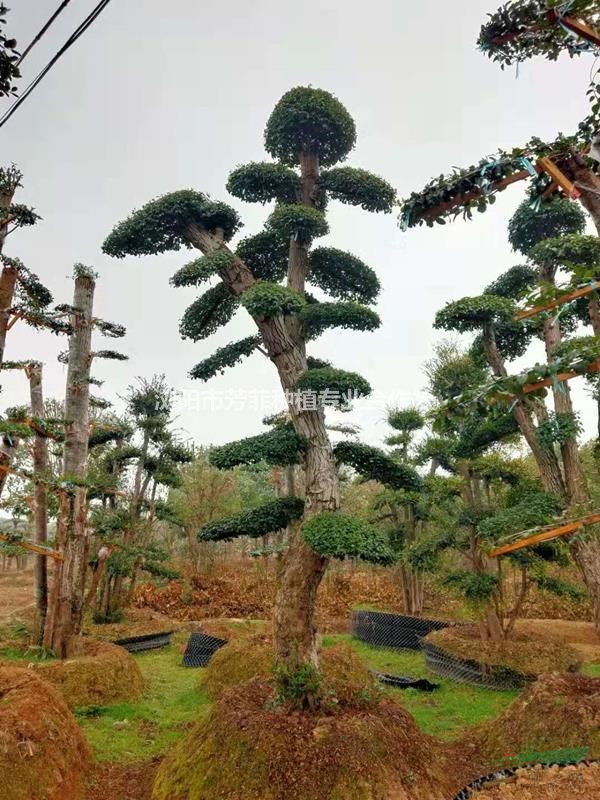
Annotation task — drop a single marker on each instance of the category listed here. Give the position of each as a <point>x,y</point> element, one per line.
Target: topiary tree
<point>66,600</point>
<point>9,58</point>
<point>308,133</point>
<point>486,315</point>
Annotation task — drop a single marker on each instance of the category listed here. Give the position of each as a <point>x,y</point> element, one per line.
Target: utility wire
<point>32,44</point>
<point>70,41</point>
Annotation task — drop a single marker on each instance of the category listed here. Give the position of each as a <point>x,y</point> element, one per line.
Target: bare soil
<point>552,783</point>
<point>122,781</point>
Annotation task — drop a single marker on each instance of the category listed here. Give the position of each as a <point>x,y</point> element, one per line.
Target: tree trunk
<point>588,184</point>
<point>8,281</point>
<point>545,459</point>
<point>40,500</point>
<point>66,617</point>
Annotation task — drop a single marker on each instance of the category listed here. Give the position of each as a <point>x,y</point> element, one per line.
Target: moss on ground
<point>141,730</point>
<point>444,713</point>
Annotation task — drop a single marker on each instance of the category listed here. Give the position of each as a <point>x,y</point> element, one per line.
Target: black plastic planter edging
<point>200,649</point>
<point>406,682</point>
<point>150,641</point>
<point>504,774</point>
<point>461,670</point>
<point>395,631</point>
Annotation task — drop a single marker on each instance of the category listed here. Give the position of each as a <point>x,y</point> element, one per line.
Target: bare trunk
<point>545,459</point>
<point>588,184</point>
<point>40,501</point>
<point>66,617</point>
<point>8,281</point>
<point>573,469</point>
<point>586,552</point>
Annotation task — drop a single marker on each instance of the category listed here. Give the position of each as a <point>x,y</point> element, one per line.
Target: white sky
<point>156,97</point>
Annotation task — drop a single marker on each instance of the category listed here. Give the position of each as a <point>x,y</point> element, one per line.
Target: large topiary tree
<point>308,133</point>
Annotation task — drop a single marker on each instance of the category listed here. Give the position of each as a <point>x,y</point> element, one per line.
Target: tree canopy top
<point>528,226</point>
<point>162,224</point>
<point>308,120</point>
<point>573,251</point>
<point>472,313</point>
<point>522,29</point>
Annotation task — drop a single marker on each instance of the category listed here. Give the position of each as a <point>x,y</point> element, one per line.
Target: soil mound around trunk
<point>526,655</point>
<point>556,712</point>
<point>248,749</point>
<point>43,754</point>
<point>552,783</point>
<point>98,674</point>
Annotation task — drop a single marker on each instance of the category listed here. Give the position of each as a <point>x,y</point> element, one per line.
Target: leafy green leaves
<point>260,183</point>
<point>202,269</point>
<point>373,464</point>
<point>208,313</point>
<point>255,522</point>
<point>574,251</point>
<point>279,447</point>
<point>358,187</point>
<point>472,313</point>
<point>321,316</point>
<point>266,254</point>
<point>343,275</point>
<point>334,386</point>
<point>265,299</point>
<point>528,227</point>
<point>522,29</point>
<point>224,357</point>
<point>162,224</point>
<point>338,535</point>
<point>298,222</point>
<point>308,120</point>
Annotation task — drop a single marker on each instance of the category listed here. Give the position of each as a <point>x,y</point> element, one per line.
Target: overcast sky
<point>156,97</point>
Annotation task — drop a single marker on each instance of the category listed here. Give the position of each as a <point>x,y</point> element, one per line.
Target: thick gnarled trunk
<point>64,617</point>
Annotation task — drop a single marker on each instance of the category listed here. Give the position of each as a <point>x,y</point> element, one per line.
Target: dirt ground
<point>581,636</point>
<point>553,783</point>
<point>16,594</point>
<point>122,781</point>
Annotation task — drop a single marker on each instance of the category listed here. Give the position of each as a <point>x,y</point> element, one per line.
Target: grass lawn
<point>146,728</point>
<point>175,698</point>
<point>444,713</point>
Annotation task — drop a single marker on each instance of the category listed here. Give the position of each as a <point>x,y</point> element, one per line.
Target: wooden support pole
<point>35,548</point>
<point>561,377</point>
<point>558,177</point>
<point>566,529</point>
<point>559,301</point>
<point>580,28</point>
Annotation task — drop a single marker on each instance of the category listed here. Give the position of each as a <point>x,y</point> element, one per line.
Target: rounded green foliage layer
<point>162,224</point>
<point>255,522</point>
<point>573,251</point>
<point>308,120</point>
<point>280,446</point>
<point>358,187</point>
<point>343,275</point>
<point>208,313</point>
<point>260,182</point>
<point>298,222</point>
<point>224,357</point>
<point>265,299</point>
<point>580,351</point>
<point>373,464</point>
<point>266,254</point>
<point>478,433</point>
<point>472,313</point>
<point>202,269</point>
<point>353,316</point>
<point>405,419</point>
<point>528,227</point>
<point>537,508</point>
<point>334,386</point>
<point>337,535</point>
<point>523,29</point>
<point>513,283</point>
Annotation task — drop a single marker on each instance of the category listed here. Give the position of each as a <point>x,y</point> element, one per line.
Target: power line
<point>36,39</point>
<point>69,43</point>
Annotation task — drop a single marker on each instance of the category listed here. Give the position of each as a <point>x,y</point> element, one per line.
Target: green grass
<point>593,670</point>
<point>444,713</point>
<point>147,728</point>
